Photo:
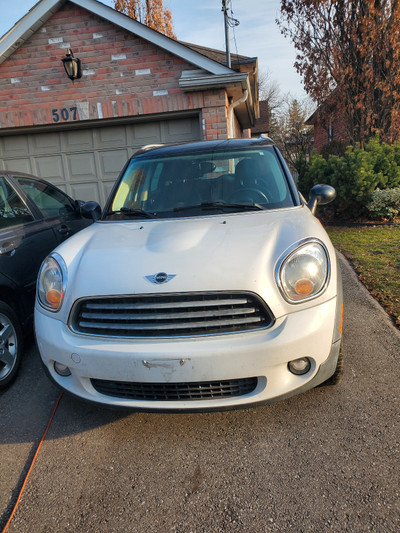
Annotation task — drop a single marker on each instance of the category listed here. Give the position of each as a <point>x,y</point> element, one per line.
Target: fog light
<point>300,366</point>
<point>62,370</point>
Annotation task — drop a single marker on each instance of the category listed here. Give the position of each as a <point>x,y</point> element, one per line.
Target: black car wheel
<point>10,344</point>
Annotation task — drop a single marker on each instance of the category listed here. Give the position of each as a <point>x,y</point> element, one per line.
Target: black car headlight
<point>303,273</point>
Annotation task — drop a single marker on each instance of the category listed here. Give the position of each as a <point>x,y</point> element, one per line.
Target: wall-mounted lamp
<point>72,66</point>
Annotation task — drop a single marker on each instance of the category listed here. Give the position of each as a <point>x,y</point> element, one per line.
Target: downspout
<point>231,108</point>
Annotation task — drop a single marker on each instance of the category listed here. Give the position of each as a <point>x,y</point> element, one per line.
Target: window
<point>50,201</point>
<point>165,185</point>
<point>13,211</point>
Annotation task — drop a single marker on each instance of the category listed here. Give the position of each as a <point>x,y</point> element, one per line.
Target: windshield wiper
<point>222,205</point>
<point>131,212</point>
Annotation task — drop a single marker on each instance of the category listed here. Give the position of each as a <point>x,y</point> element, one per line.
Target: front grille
<point>171,315</point>
<point>203,390</point>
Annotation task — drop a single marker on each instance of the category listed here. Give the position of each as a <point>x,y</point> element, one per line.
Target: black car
<point>35,217</point>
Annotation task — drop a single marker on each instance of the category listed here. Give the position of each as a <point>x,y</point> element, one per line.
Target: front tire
<point>10,345</point>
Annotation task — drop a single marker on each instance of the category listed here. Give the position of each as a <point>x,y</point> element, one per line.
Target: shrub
<point>334,148</point>
<point>385,159</point>
<point>385,204</point>
<point>355,175</point>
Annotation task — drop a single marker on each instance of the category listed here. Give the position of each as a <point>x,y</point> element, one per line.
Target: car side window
<point>13,211</point>
<point>50,201</point>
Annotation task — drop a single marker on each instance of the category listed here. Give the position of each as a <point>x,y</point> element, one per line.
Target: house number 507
<point>64,114</point>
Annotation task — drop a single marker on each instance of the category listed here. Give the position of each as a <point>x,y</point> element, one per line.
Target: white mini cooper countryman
<point>205,283</point>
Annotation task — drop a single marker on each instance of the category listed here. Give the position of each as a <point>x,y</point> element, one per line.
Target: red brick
<point>24,104</point>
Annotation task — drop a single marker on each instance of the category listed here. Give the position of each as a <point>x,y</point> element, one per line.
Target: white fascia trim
<point>27,25</point>
<point>214,82</point>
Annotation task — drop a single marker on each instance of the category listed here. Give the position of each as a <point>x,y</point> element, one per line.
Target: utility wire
<point>233,23</point>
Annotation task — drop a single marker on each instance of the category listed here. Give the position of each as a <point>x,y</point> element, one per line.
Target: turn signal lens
<point>51,283</point>
<point>304,287</point>
<point>303,274</point>
<point>53,297</point>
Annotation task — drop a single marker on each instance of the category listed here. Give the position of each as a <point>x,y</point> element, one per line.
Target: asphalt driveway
<point>327,460</point>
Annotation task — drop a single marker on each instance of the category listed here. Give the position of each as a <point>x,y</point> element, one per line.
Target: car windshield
<point>201,184</point>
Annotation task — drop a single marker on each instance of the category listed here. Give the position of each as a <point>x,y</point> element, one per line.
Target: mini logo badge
<point>161,277</point>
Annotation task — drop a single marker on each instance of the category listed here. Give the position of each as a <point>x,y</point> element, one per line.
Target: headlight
<point>303,274</point>
<point>51,282</point>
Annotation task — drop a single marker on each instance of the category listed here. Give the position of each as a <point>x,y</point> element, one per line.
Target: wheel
<point>248,194</point>
<point>10,345</point>
<point>338,374</point>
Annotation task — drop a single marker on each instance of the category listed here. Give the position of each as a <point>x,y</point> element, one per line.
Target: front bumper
<point>262,354</point>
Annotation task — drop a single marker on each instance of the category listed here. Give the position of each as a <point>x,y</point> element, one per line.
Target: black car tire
<point>338,374</point>
<point>11,345</point>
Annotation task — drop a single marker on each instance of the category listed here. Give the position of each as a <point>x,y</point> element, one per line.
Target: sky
<point>202,22</point>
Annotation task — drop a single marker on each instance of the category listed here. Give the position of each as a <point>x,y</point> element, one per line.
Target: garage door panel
<point>180,130</point>
<point>81,167</point>
<point>142,134</point>
<point>50,168</point>
<point>77,140</point>
<point>113,136</point>
<point>45,143</point>
<point>112,162</point>
<point>18,165</point>
<point>86,192</point>
<point>16,146</point>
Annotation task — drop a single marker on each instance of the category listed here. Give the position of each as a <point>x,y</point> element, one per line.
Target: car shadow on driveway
<point>26,406</point>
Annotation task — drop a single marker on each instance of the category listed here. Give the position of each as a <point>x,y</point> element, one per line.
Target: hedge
<point>355,175</point>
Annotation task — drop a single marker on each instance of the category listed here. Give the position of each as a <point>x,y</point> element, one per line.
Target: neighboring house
<point>137,87</point>
<point>261,125</point>
<point>328,126</point>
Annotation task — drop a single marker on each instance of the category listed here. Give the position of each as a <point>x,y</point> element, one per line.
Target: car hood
<point>235,252</point>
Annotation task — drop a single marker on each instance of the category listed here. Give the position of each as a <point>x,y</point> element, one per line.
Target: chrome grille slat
<point>161,305</point>
<point>170,315</point>
<point>179,325</point>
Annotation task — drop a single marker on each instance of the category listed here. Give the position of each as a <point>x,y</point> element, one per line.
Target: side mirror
<point>91,210</point>
<point>320,195</point>
<point>78,204</point>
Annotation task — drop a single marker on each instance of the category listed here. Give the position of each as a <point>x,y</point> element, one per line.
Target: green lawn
<point>374,252</point>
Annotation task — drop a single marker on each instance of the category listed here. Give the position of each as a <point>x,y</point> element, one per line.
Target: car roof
<point>202,147</point>
<point>16,173</point>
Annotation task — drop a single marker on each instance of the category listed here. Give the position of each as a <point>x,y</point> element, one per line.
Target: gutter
<point>231,109</point>
<point>202,80</point>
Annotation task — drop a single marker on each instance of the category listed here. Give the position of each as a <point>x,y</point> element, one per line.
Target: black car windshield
<point>202,184</point>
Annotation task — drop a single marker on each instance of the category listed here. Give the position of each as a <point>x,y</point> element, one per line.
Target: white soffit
<point>44,9</point>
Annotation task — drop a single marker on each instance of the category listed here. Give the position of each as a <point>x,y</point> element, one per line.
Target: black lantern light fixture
<point>72,66</point>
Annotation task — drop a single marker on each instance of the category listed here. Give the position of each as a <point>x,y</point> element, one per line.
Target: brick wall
<point>123,75</point>
<point>321,132</point>
<point>215,114</point>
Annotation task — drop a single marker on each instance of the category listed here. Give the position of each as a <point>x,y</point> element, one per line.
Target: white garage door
<point>85,163</point>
